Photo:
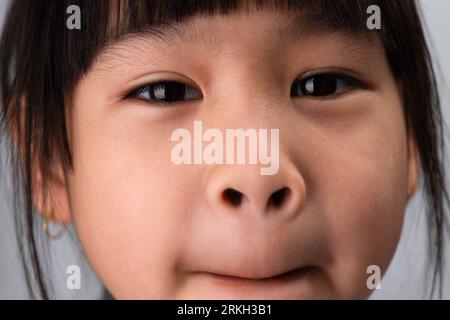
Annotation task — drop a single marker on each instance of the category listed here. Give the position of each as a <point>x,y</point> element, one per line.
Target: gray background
<point>403,280</point>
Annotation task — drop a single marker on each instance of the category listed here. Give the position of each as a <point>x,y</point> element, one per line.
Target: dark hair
<point>41,61</point>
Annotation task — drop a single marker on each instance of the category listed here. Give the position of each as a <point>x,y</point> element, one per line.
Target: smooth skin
<point>152,229</point>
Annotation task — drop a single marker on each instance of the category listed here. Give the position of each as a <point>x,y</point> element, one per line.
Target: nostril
<point>278,198</point>
<point>232,197</point>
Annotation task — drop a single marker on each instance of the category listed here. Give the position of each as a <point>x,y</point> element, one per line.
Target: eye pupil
<point>319,86</point>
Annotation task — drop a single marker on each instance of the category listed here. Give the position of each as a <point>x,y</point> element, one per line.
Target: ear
<point>53,202</point>
<point>413,164</point>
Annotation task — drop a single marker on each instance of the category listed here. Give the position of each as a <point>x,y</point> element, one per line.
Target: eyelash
<point>325,81</point>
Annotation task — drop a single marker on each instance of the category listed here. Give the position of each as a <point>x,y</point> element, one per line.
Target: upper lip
<point>251,254</point>
<point>262,276</point>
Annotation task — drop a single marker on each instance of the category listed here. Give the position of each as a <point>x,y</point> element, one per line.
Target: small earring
<point>45,227</point>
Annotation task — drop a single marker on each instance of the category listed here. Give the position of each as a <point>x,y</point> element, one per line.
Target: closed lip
<point>284,277</point>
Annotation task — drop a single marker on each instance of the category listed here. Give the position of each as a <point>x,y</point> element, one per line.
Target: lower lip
<point>290,285</point>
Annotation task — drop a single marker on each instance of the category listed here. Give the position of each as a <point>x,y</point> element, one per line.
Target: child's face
<point>154,229</point>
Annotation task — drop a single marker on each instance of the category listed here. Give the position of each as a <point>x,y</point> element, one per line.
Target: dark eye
<point>322,85</point>
<point>165,92</point>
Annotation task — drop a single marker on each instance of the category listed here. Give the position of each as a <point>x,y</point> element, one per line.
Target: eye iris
<point>169,91</point>
<point>320,86</point>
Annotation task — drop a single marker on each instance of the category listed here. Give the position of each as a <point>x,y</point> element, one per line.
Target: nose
<point>242,188</point>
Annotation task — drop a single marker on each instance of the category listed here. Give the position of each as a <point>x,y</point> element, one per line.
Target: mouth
<point>287,285</point>
<point>280,278</point>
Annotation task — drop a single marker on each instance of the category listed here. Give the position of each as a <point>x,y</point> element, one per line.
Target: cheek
<point>125,212</point>
<point>364,217</point>
<point>359,187</point>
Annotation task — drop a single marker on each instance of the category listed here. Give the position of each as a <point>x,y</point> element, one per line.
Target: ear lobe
<point>413,165</point>
<point>52,202</point>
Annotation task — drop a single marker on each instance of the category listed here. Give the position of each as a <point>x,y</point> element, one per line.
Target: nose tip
<point>234,188</point>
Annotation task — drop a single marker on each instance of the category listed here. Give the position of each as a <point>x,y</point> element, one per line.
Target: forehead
<point>276,26</point>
